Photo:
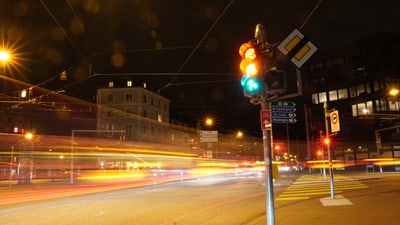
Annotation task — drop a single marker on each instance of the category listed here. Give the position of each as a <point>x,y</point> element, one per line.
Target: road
<point>219,200</point>
<point>210,200</point>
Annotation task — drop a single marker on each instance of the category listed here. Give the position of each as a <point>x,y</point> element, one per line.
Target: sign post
<point>327,114</point>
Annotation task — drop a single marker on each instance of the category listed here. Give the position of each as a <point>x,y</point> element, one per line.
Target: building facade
<point>140,112</point>
<point>355,80</point>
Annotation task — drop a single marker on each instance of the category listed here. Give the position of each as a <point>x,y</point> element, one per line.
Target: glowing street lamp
<point>394,92</point>
<point>209,122</point>
<point>4,56</point>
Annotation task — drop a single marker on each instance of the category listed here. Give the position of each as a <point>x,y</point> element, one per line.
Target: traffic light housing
<point>275,81</point>
<point>252,69</point>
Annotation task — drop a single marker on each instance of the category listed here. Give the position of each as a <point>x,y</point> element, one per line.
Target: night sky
<point>187,50</point>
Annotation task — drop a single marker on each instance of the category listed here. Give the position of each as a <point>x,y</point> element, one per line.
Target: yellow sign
<point>297,47</point>
<point>335,125</point>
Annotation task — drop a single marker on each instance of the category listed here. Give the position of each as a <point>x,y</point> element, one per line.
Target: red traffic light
<point>327,141</point>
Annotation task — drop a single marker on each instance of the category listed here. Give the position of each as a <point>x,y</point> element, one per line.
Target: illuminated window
<point>362,109</point>
<point>354,110</point>
<point>333,95</point>
<point>129,83</point>
<point>322,97</point>
<point>393,105</point>
<point>159,118</point>
<point>342,93</point>
<point>314,98</point>
<point>111,84</point>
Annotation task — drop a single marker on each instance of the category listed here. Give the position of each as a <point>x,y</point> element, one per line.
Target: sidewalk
<point>369,206</point>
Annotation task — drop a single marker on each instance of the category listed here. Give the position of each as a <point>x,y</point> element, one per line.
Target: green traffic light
<point>251,85</point>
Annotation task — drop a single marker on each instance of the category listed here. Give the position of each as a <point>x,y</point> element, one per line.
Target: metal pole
<point>378,147</point>
<point>288,144</point>
<point>11,162</point>
<point>260,36</point>
<point>329,150</point>
<point>267,132</point>
<point>72,158</point>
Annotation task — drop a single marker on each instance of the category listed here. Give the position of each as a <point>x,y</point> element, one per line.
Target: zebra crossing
<point>308,186</point>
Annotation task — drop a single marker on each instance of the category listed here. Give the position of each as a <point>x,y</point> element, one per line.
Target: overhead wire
<point>302,25</point>
<point>197,46</point>
<point>75,46</point>
<point>64,31</point>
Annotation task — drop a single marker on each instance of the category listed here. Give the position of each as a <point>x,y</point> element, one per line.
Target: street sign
<point>297,47</point>
<point>283,112</point>
<point>335,124</point>
<point>283,109</point>
<point>208,136</point>
<point>265,116</point>
<point>283,120</point>
<point>283,103</point>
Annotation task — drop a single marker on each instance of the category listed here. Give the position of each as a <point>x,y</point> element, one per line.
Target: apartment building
<point>140,112</point>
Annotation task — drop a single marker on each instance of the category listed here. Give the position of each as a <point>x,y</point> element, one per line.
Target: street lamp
<point>239,134</point>
<point>209,122</point>
<point>4,58</point>
<point>394,91</point>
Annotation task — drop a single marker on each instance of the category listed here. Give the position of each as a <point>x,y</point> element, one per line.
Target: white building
<point>143,114</point>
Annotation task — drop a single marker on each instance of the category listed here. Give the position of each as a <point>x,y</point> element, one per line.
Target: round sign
<point>334,118</point>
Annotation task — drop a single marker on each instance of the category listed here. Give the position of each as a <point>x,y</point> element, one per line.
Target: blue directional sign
<point>283,112</point>
<point>283,109</point>
<point>283,120</point>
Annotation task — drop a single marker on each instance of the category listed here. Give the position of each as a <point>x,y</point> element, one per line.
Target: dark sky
<point>191,46</point>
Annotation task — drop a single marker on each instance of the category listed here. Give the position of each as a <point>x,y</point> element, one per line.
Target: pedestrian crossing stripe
<point>310,185</point>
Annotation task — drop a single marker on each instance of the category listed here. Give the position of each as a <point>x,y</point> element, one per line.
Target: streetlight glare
<point>394,91</point>
<point>209,121</point>
<point>4,56</point>
<point>29,135</point>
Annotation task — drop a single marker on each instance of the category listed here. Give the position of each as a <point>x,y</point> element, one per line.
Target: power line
<point>197,46</point>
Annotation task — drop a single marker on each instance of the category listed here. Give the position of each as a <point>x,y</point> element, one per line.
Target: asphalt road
<point>212,200</point>
<point>235,199</point>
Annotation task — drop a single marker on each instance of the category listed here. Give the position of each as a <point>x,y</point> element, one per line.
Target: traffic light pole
<point>332,183</point>
<point>254,66</point>
<point>266,50</point>
<point>269,185</point>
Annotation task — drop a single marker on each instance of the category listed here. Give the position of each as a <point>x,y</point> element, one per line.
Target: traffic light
<point>327,140</point>
<point>319,153</point>
<point>252,68</point>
